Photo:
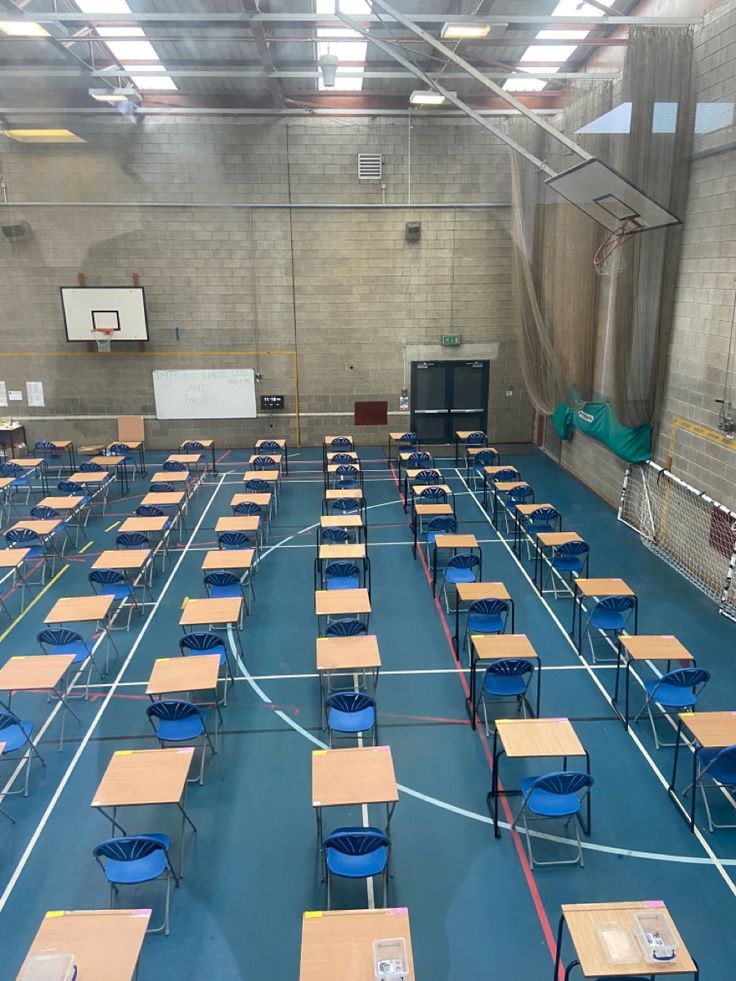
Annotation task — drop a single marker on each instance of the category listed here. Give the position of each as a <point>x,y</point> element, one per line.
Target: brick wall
<point>338,286</point>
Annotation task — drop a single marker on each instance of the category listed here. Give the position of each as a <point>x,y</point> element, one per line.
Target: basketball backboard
<point>610,199</point>
<point>119,310</point>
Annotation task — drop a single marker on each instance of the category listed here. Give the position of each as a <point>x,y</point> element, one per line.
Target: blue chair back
<point>408,439</point>
<point>58,637</point>
<point>349,701</point>
<point>342,570</point>
<point>8,719</point>
<point>504,474</point>
<point>43,513</point>
<point>192,446</point>
<point>347,470</point>
<point>694,678</point>
<point>572,549</point>
<point>69,487</point>
<point>221,578</point>
<point>476,438</point>
<point>132,848</point>
<point>149,511</point>
<point>264,463</point>
<point>429,477</point>
<point>174,466</point>
<point>257,486</point>
<point>463,561</point>
<point>616,604</point>
<point>418,460</point>
<point>521,495</point>
<point>118,449</point>
<point>247,507</point>
<point>432,495</point>
<point>510,667</point>
<point>44,446</point>
<point>12,470</point>
<point>232,539</point>
<point>346,505</point>
<point>200,641</point>
<point>486,458</point>
<point>341,443</point>
<point>172,710</point>
<point>489,607</point>
<point>547,517</point>
<point>342,458</point>
<point>442,524</point>
<point>349,627</point>
<point>269,446</point>
<point>23,538</point>
<point>106,577</point>
<point>356,841</point>
<point>562,782</point>
<point>334,536</point>
<point>132,539</point>
<point>89,467</point>
<point>161,487</point>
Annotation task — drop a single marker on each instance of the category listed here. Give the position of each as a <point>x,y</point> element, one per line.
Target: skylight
<point>136,50</point>
<point>345,50</point>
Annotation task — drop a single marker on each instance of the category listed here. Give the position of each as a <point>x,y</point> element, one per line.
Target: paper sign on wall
<point>3,394</point>
<point>15,396</point>
<point>35,393</point>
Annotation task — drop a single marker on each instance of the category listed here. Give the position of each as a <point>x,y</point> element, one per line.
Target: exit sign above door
<point>450,340</point>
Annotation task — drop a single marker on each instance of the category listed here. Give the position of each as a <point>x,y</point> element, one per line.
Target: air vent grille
<point>370,166</point>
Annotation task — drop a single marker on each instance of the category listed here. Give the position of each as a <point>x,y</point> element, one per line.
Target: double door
<point>447,396</point>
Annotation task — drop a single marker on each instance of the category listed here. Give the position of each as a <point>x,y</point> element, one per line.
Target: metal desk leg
<point>693,796</point>
<point>673,782</point>
<point>214,461</point>
<point>457,448</point>
<point>470,702</point>
<point>185,819</point>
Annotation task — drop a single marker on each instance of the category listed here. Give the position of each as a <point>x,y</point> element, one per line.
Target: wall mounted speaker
<point>14,232</point>
<point>413,231</point>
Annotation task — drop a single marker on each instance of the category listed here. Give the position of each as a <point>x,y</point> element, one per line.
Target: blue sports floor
<point>252,868</point>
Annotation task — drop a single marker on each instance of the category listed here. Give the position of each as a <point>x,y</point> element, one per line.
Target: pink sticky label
<point>382,748</point>
<point>562,720</point>
<point>398,910</point>
<point>653,903</point>
<point>141,912</point>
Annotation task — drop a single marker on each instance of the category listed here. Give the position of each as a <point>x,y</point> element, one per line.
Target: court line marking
<point>33,602</point>
<point>713,858</point>
<point>27,852</point>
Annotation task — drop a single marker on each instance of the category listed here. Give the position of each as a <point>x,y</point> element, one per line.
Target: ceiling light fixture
<point>456,32</point>
<point>115,96</point>
<point>426,97</point>
<point>42,136</point>
<point>22,28</point>
<point>328,66</point>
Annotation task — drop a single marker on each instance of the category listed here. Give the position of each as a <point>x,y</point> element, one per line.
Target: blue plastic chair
<point>541,521</point>
<point>351,713</point>
<point>517,495</point>
<point>25,538</point>
<point>610,615</point>
<point>175,720</point>
<point>233,539</point>
<point>341,575</point>
<point>464,567</point>
<point>406,441</point>
<point>345,505</point>
<point>486,616</point>
<point>356,853</point>
<point>49,453</point>
<point>477,462</point>
<point>135,859</point>
<point>20,477</point>
<point>554,796</point>
<point>192,446</point>
<point>347,477</point>
<point>257,486</point>
<point>123,450</point>
<point>505,475</point>
<point>161,487</point>
<point>506,680</point>
<point>677,690</point>
<point>89,467</point>
<point>207,642</point>
<point>264,463</point>
<point>719,765</point>
<point>132,540</point>
<point>419,460</point>
<point>222,584</point>
<point>269,446</point>
<point>476,438</point>
<point>568,560</point>
<point>441,524</point>
<point>341,458</point>
<point>334,536</point>
<point>112,582</point>
<point>428,477</point>
<point>432,495</point>
<point>16,734</point>
<point>175,466</point>
<point>341,443</point>
<point>76,490</point>
<point>42,512</point>
<point>247,508</point>
<point>62,640</point>
<point>347,627</point>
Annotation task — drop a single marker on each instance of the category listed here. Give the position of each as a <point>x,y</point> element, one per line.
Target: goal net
<point>683,526</point>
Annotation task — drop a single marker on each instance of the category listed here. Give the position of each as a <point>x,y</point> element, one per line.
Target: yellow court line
<point>88,545</point>
<point>113,525</point>
<point>33,602</point>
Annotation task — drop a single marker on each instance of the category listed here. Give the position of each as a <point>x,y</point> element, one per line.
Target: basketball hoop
<point>609,259</point>
<point>103,336</point>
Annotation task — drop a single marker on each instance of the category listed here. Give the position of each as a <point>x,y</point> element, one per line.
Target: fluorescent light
<point>154,83</point>
<point>426,97</point>
<point>454,32</point>
<point>42,136</point>
<point>524,84</point>
<point>116,95</point>
<point>22,28</point>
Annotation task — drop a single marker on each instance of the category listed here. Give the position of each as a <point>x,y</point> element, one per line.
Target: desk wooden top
<point>455,541</point>
<point>338,945</point>
<point>655,647</point>
<point>504,486</point>
<point>352,493</point>
<point>713,730</point>
<point>353,776</point>
<point>342,551</point>
<point>334,602</point>
<point>329,439</point>
<point>238,522</point>
<point>341,521</point>
<point>468,592</point>
<point>528,509</point>
<point>122,558</point>
<point>262,500</point>
<point>170,477</point>
<point>200,611</point>
<point>346,653</point>
<point>165,499</point>
<point>143,524</point>
<point>400,435</point>
<point>196,672</point>
<point>494,647</point>
<point>584,920</point>
<point>66,503</point>
<point>432,509</point>
<point>60,444</point>
<point>552,538</point>
<point>188,458</point>
<point>144,776</point>
<point>276,457</point>
<point>105,943</point>
<point>79,609</point>
<point>28,461</point>
<point>206,443</point>
<point>472,450</point>
<point>228,558</point>
<point>538,737</point>
<point>269,439</point>
<point>11,558</point>
<point>464,433</point>
<point>132,444</point>
<point>89,477</point>
<point>6,482</point>
<point>270,476</point>
<point>603,587</point>
<point>24,673</point>
<point>40,527</point>
<point>491,471</point>
<point>107,460</point>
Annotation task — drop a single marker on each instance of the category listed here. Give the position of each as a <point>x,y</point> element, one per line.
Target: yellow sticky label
<point>184,602</point>
<point>53,913</point>
<point>164,659</point>
<point>312,915</point>
<point>18,657</point>
<point>319,752</point>
<point>123,752</point>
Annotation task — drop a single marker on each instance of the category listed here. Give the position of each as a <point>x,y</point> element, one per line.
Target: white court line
<point>23,860</point>
<point>713,858</point>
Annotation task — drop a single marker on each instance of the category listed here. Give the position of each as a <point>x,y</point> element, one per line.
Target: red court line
<point>518,844</point>
<point>222,456</point>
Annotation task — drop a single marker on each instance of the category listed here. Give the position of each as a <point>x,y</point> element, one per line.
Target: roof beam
<point>36,71</point>
<point>264,53</point>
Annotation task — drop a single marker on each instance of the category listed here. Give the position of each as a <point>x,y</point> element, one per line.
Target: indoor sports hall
<point>367,511</point>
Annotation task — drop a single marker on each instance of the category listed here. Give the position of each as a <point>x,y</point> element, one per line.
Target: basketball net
<point>609,260</point>
<point>102,336</point>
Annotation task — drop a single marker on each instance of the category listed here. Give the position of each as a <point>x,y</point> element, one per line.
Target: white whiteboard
<point>205,394</point>
<point>123,308</point>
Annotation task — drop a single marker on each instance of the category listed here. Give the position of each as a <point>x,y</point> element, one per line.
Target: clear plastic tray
<point>618,944</point>
<point>656,938</point>
<point>389,959</point>
<point>50,965</point>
